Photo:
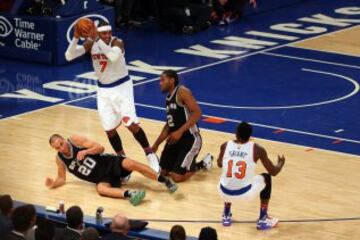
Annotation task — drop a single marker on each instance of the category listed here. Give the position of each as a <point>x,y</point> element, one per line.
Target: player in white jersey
<point>115,94</point>
<point>239,180</point>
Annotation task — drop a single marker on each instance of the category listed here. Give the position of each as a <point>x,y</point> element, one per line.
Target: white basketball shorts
<point>246,193</point>
<point>116,105</point>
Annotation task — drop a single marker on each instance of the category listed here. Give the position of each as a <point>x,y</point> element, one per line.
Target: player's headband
<point>105,28</point>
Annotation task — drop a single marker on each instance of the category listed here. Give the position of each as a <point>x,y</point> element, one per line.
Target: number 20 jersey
<point>238,165</point>
<point>94,168</point>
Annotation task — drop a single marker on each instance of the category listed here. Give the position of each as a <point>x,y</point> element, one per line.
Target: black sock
<point>141,138</point>
<point>127,194</point>
<point>227,208</point>
<point>162,179</point>
<point>116,143</point>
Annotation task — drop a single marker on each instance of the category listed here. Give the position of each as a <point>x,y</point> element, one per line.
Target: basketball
<point>85,26</point>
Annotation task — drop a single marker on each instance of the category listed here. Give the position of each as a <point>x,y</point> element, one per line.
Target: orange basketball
<point>85,26</point>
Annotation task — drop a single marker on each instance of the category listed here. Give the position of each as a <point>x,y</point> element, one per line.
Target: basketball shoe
<point>267,223</point>
<point>171,186</point>
<point>136,196</point>
<point>208,161</point>
<point>226,220</point>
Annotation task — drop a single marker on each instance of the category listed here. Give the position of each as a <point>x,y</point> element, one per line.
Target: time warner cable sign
<point>22,33</point>
<point>42,39</point>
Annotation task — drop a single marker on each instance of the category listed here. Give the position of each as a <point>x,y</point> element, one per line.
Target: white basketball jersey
<point>105,70</point>
<point>238,165</point>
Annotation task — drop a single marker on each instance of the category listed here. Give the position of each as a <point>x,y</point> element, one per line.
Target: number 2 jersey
<point>178,114</point>
<point>238,165</point>
<point>94,168</point>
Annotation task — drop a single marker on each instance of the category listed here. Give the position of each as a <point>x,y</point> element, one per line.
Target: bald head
<point>120,224</point>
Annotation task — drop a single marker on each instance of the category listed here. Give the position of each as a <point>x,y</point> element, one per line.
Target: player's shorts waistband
<point>235,192</point>
<point>116,83</point>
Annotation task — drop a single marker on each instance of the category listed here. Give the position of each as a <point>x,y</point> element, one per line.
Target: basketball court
<point>293,72</point>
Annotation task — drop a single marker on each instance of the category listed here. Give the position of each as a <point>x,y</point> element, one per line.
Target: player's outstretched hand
<point>90,32</point>
<point>281,161</point>
<point>77,33</point>
<point>49,182</point>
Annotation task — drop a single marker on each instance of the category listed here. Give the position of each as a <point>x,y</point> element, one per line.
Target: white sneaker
<point>208,161</point>
<point>267,223</point>
<point>153,161</point>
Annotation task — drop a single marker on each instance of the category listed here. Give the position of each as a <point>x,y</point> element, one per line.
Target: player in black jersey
<point>183,140</point>
<point>86,160</point>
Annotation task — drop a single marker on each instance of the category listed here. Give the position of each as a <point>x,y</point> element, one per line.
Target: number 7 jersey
<point>106,71</point>
<point>238,165</point>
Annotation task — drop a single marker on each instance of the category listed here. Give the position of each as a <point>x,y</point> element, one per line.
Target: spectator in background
<point>227,11</point>
<point>6,205</point>
<point>124,10</point>
<point>119,229</point>
<point>89,233</point>
<point>184,16</point>
<point>177,232</point>
<point>75,225</point>
<point>23,218</point>
<point>45,230</point>
<point>208,233</point>
<point>132,12</point>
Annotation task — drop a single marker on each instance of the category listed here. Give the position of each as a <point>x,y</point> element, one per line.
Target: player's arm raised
<point>163,135</point>
<point>221,154</point>
<point>74,50</point>
<point>260,153</point>
<point>92,147</point>
<point>186,98</point>
<point>61,176</point>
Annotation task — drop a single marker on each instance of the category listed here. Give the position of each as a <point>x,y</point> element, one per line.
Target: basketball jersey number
<point>170,121</point>
<point>103,65</point>
<point>87,166</point>
<point>240,169</point>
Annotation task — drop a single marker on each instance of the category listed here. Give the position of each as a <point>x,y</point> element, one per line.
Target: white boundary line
<point>310,60</point>
<point>231,134</point>
<point>54,105</point>
<point>352,81</point>
<point>266,126</point>
<point>326,51</point>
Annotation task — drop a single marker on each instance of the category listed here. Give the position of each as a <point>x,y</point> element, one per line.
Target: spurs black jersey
<point>177,114</point>
<point>93,168</point>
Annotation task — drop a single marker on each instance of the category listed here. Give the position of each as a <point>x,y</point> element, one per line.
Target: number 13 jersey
<point>238,165</point>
